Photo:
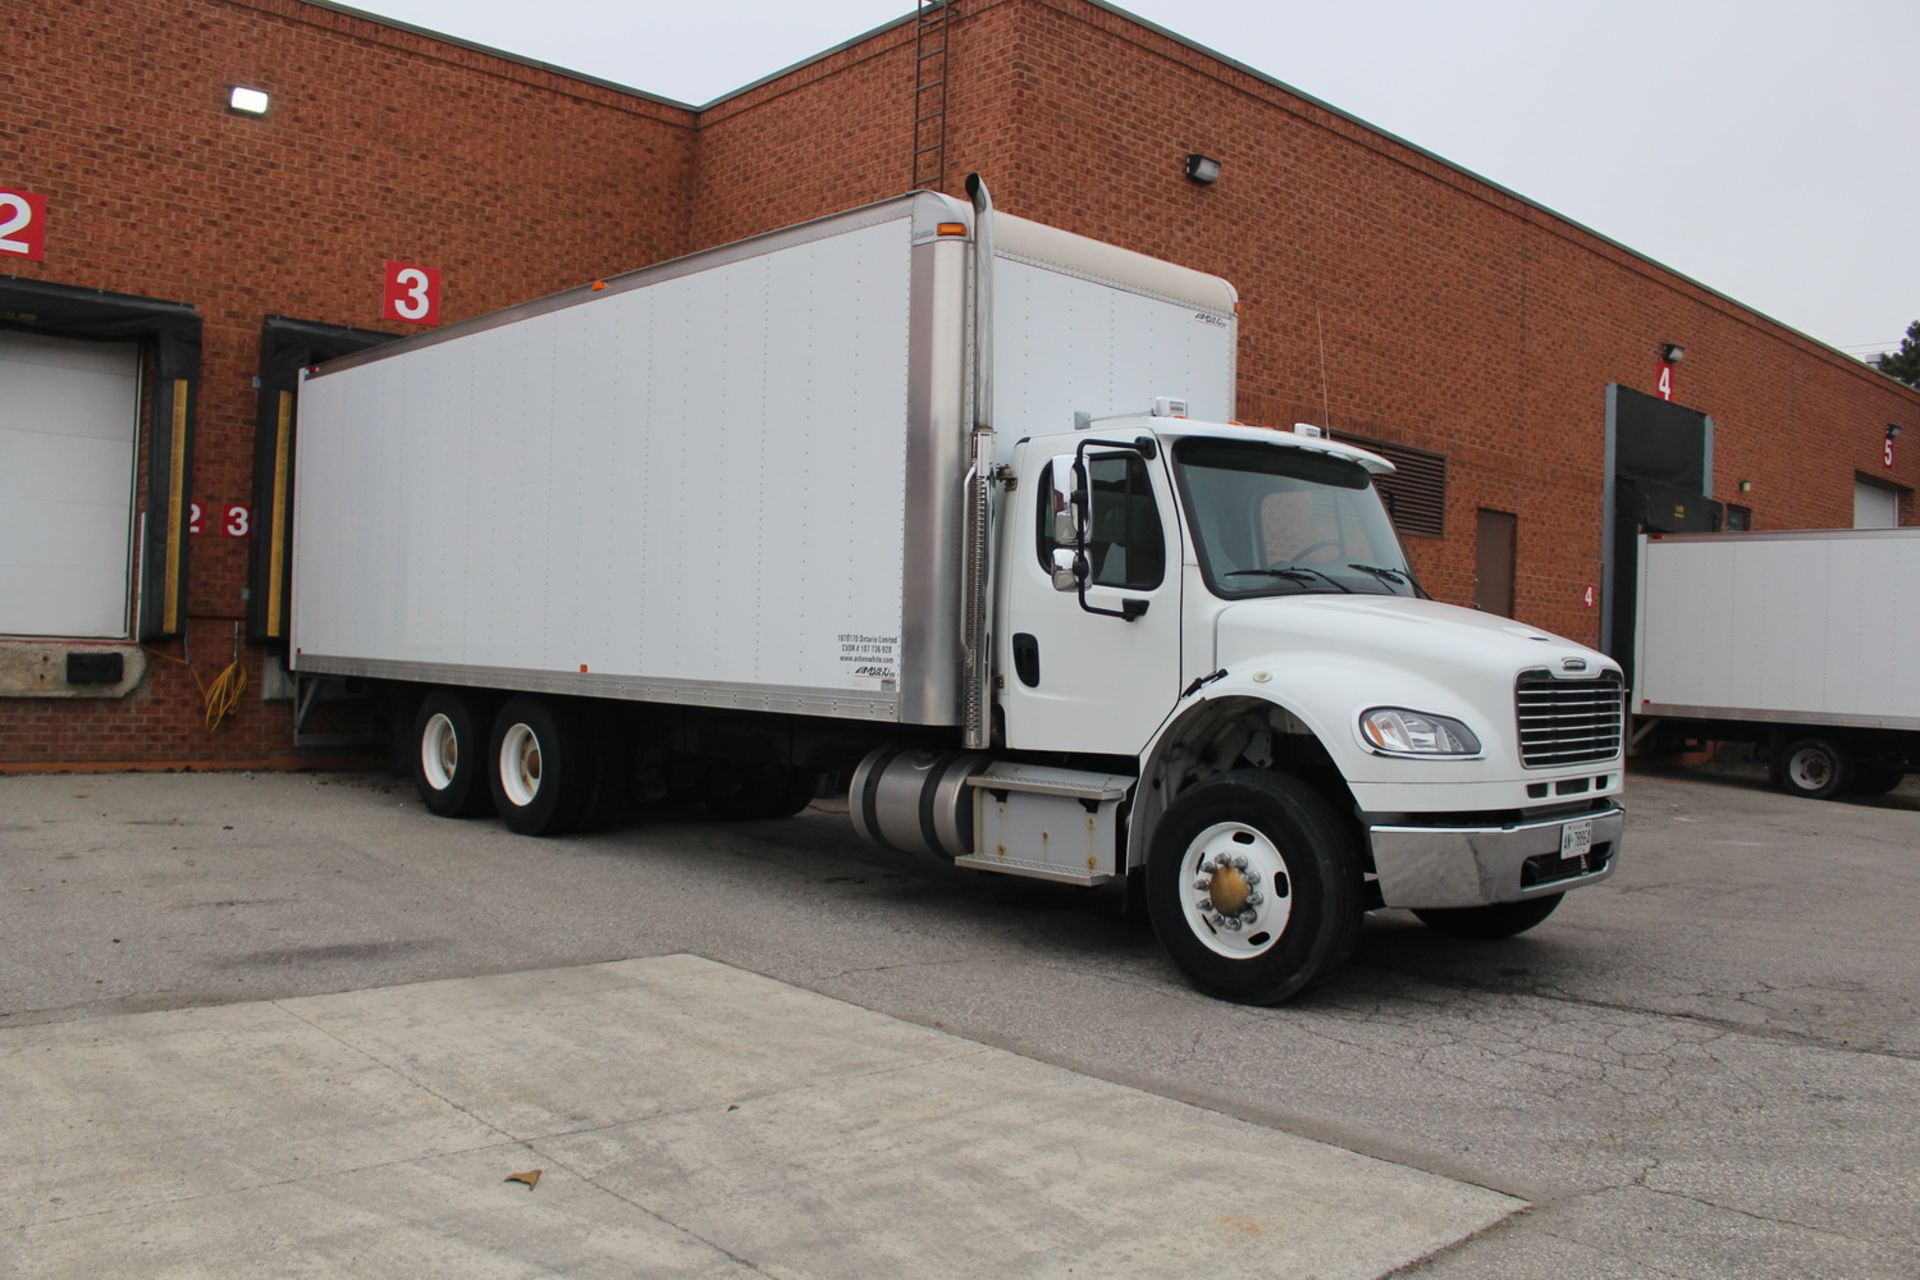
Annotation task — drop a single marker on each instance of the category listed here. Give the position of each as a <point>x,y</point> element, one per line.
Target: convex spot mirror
<point>1070,568</point>
<point>1069,501</point>
<point>1069,504</point>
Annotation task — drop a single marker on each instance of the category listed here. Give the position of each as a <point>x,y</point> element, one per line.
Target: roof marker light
<point>951,229</point>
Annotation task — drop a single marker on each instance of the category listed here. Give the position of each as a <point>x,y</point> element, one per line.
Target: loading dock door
<point>68,423</point>
<point>1875,506</point>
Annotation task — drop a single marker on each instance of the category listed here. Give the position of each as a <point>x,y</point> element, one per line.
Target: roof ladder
<point>932,26</point>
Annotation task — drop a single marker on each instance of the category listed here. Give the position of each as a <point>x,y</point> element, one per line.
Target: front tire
<point>542,774</point>
<point>1254,886</point>
<point>1496,920</point>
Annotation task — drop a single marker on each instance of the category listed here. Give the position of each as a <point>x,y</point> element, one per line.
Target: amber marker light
<point>598,285</point>
<point>952,229</point>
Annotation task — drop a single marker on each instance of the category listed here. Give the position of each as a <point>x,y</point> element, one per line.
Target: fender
<point>1320,697</point>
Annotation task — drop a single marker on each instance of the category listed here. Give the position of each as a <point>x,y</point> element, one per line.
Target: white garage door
<point>69,412</point>
<point>1875,507</point>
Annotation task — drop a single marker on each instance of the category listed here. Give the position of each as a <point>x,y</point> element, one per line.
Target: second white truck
<point>956,502</point>
<point>1795,642</point>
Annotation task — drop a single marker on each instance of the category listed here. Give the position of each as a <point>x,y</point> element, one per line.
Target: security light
<point>1203,170</point>
<point>1893,431</point>
<point>1672,352</point>
<point>248,102</point>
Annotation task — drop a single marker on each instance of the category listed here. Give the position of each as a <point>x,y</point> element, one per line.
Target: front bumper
<point>1433,867</point>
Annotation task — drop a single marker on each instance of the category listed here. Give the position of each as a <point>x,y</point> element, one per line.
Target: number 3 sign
<point>413,293</point>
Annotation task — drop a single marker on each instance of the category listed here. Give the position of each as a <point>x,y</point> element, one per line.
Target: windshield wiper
<point>1403,577</point>
<point>1291,575</point>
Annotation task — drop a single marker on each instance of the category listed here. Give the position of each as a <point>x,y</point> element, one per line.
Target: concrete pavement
<point>688,1118</point>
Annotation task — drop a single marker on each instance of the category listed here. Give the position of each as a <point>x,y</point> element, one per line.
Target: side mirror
<point>1070,569</point>
<point>1069,500</point>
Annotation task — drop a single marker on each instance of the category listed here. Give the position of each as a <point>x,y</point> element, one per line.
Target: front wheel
<point>1496,920</point>
<point>1254,886</point>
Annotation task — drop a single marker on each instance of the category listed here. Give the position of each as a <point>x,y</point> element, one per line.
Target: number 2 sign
<point>23,224</point>
<point>413,293</point>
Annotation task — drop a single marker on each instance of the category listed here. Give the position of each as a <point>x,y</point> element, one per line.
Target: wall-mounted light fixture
<point>1202,170</point>
<point>1672,352</point>
<point>1746,486</point>
<point>1893,431</point>
<point>248,102</point>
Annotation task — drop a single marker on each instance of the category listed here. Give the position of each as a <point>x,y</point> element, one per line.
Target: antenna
<point>1326,413</point>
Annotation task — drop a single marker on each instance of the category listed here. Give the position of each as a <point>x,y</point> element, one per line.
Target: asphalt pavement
<point>1708,1066</point>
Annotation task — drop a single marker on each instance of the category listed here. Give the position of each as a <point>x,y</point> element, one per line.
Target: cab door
<point>1088,679</point>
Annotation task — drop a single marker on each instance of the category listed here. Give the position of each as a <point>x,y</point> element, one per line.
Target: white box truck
<point>1799,643</point>
<point>954,501</point>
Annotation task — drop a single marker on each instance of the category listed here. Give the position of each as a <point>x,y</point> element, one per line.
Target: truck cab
<point>1222,618</point>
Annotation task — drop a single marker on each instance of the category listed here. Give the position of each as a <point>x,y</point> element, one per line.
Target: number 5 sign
<point>23,224</point>
<point>413,293</point>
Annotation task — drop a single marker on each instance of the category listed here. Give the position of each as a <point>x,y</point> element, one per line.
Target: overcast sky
<point>1768,148</point>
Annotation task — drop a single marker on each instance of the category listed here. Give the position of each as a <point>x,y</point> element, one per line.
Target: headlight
<point>1396,731</point>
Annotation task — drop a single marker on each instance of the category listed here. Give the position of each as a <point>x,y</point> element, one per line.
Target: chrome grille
<point>1564,722</point>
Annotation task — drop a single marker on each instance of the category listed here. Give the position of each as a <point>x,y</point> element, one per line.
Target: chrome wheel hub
<point>1240,893</point>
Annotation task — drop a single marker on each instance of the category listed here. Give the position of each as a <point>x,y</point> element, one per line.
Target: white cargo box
<point>731,480</point>
<point>1804,627</point>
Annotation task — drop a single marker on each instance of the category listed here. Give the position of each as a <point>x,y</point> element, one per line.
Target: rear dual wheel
<point>450,754</point>
<point>542,767</point>
<point>1811,767</point>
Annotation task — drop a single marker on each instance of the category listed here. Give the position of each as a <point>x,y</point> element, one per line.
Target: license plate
<point>1576,839</point>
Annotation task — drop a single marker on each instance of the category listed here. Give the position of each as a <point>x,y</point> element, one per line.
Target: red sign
<point>1589,596</point>
<point>1663,381</point>
<point>23,224</point>
<point>413,293</point>
<point>235,520</point>
<point>1887,455</point>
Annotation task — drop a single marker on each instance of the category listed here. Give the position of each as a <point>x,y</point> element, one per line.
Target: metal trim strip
<point>1674,711</point>
<point>835,704</point>
<point>1033,870</point>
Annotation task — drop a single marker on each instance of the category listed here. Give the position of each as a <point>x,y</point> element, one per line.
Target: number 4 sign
<point>413,293</point>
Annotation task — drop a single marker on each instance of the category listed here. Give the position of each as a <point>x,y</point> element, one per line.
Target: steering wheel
<point>1301,555</point>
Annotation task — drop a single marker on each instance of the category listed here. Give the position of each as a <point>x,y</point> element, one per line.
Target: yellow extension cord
<point>222,697</point>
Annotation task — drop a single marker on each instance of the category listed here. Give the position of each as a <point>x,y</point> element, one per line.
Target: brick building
<point>179,257</point>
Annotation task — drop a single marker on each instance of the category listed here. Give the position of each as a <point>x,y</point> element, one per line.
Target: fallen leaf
<point>531,1177</point>
<point>733,1106</point>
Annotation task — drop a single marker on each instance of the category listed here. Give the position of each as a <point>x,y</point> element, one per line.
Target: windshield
<point>1276,521</point>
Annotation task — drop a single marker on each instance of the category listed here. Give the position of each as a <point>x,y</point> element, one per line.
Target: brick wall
<point>1381,289</point>
<point>379,144</point>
